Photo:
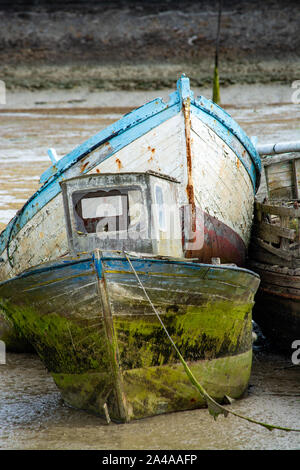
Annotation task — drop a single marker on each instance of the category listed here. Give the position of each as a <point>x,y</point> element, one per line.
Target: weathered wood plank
<point>271,232</point>
<point>264,231</point>
<point>263,256</point>
<point>280,180</point>
<point>276,251</point>
<point>277,210</point>
<point>266,161</point>
<point>284,243</point>
<point>296,176</point>
<point>282,280</point>
<point>280,290</point>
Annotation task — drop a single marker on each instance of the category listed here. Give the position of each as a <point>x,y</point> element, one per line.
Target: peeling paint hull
<point>96,333</point>
<point>190,139</point>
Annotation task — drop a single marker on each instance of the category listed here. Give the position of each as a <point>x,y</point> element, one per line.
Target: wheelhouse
<point>126,211</point>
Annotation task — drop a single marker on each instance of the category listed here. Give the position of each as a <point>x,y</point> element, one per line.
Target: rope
<point>214,408</point>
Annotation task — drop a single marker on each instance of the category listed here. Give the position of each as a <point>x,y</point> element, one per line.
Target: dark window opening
<point>104,211</point>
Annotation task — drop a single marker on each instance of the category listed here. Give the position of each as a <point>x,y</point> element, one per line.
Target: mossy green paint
<point>201,332</point>
<point>154,390</point>
<point>153,380</point>
<point>107,347</point>
<point>69,345</point>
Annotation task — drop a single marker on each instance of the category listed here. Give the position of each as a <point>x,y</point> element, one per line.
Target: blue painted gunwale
<point>126,130</point>
<point>86,263</point>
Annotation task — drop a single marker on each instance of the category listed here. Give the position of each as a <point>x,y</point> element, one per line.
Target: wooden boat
<point>190,139</point>
<point>275,250</point>
<point>96,332</point>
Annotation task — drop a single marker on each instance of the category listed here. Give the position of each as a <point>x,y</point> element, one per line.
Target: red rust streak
<point>190,185</point>
<point>83,167</point>
<point>119,163</point>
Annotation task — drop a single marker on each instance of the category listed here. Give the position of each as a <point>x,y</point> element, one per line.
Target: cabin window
<point>112,210</point>
<point>159,199</point>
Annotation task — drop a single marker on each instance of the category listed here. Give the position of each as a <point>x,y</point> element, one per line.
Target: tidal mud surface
<point>33,416</point>
<point>145,45</point>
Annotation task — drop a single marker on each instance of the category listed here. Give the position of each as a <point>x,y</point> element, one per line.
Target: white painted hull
<point>222,189</point>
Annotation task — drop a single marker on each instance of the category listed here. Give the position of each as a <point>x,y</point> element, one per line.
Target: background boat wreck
<point>274,252</point>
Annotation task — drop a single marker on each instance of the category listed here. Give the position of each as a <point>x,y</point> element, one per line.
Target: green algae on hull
<point>201,332</point>
<point>105,348</point>
<point>64,345</point>
<point>14,340</point>
<point>151,391</point>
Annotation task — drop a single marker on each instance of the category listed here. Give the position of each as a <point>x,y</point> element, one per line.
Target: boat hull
<point>192,140</point>
<point>277,305</point>
<point>97,334</point>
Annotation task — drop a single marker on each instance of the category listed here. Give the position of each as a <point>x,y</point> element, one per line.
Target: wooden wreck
<point>275,248</point>
<point>68,287</point>
<point>190,139</point>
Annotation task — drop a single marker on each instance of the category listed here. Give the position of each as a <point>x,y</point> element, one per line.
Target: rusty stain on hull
<point>190,185</point>
<point>119,164</point>
<point>83,167</point>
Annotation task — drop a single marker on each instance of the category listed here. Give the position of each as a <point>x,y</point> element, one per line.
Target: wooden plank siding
<point>283,177</point>
<point>274,252</point>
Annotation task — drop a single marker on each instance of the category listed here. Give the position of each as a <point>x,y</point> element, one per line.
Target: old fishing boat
<point>70,257</point>
<point>190,139</point>
<point>96,332</point>
<point>275,248</point>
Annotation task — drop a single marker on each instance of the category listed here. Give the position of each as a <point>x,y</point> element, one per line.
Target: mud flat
<point>137,45</point>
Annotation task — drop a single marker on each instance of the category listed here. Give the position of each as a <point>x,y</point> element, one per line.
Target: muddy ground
<point>144,45</point>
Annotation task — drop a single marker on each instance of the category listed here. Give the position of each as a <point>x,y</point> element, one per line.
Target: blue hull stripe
<point>86,264</point>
